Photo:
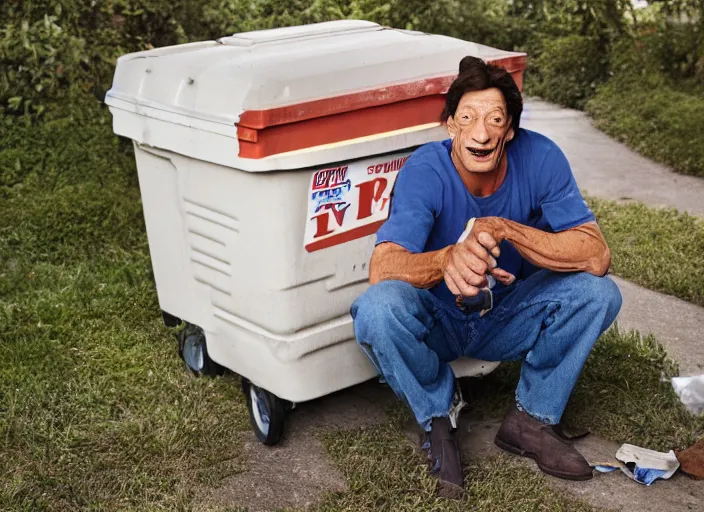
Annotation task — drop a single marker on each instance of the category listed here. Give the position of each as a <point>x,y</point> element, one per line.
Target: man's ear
<point>511,132</point>
<point>452,128</point>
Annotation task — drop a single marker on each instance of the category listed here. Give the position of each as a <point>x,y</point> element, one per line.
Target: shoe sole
<point>522,453</point>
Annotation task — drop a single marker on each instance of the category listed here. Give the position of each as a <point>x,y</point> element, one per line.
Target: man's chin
<point>479,167</point>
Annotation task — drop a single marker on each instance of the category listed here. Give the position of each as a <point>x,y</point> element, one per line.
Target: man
<point>533,239</point>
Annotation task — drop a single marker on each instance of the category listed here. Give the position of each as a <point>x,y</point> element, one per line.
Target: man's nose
<point>479,132</point>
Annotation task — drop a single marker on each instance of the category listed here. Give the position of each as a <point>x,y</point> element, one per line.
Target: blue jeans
<point>549,320</point>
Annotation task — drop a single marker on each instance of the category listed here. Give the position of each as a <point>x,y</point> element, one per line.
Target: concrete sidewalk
<point>677,324</point>
<point>608,169</point>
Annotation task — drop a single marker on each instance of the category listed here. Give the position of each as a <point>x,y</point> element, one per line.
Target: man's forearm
<point>581,248</point>
<point>393,262</point>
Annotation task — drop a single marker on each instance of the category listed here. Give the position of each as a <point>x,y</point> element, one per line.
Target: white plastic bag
<point>691,392</point>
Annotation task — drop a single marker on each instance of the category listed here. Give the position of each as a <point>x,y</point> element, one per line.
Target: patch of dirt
<point>297,472</point>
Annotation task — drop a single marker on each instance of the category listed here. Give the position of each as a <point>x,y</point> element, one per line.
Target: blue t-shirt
<point>431,205</point>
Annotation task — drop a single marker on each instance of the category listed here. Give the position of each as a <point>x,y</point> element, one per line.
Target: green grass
<point>96,410</point>
<point>654,119</point>
<point>659,249</point>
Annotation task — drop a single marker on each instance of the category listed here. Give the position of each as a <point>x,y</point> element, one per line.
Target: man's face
<point>480,129</point>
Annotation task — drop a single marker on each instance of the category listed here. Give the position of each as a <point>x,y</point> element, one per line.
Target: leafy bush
<point>568,70</point>
<point>82,40</point>
<point>603,19</point>
<point>481,21</point>
<point>659,122</point>
<point>638,60</point>
<point>681,48</point>
<point>38,61</point>
<point>72,144</point>
<point>660,54</point>
<point>681,30</point>
<point>46,45</point>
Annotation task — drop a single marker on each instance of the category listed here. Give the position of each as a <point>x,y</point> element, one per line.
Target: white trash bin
<point>266,162</point>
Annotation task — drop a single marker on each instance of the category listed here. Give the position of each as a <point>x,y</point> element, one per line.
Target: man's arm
<point>463,266</point>
<point>392,262</point>
<point>581,248</point>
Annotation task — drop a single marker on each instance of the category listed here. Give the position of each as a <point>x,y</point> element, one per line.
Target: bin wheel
<point>194,352</point>
<point>266,413</point>
<point>170,320</point>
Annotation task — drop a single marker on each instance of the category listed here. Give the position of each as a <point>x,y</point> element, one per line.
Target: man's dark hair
<point>477,75</point>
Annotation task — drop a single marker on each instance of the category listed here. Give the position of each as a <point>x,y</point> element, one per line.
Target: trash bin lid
<point>314,89</point>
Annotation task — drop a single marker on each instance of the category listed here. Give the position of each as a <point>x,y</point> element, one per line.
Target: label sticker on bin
<point>350,201</point>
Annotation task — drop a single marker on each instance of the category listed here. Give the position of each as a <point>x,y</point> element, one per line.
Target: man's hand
<point>468,262</point>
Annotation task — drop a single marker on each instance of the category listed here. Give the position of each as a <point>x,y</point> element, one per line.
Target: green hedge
<point>55,52</point>
<point>47,46</point>
<point>653,118</point>
<point>568,70</point>
<point>38,62</point>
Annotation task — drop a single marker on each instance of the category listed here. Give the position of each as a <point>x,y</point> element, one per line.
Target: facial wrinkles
<point>481,111</point>
<point>480,129</point>
<point>492,116</point>
<point>502,145</point>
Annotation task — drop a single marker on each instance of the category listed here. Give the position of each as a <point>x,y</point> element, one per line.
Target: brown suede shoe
<point>523,435</point>
<point>444,458</point>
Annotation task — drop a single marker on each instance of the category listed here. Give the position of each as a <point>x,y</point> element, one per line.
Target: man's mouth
<point>481,153</point>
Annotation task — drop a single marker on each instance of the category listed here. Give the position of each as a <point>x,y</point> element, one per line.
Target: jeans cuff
<point>542,419</point>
